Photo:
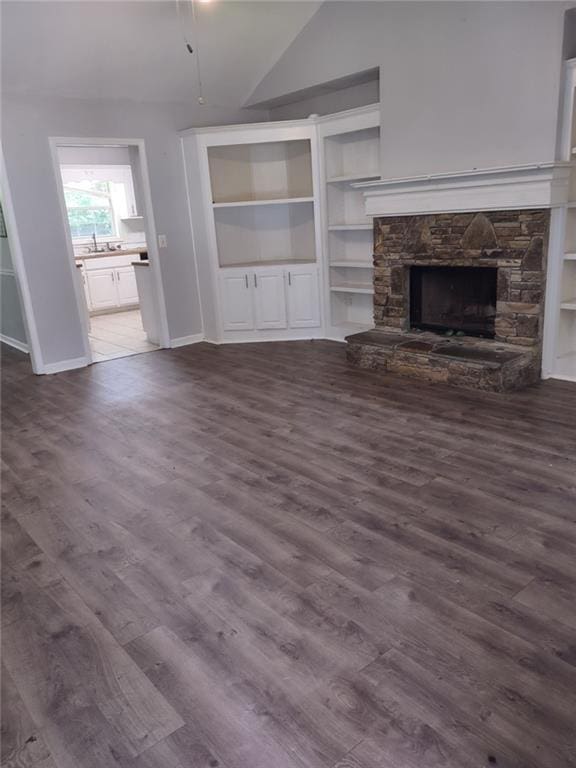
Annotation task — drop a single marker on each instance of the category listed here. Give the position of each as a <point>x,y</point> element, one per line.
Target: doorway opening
<point>105,202</point>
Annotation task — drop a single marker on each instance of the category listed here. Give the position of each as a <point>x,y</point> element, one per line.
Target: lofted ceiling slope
<point>135,50</point>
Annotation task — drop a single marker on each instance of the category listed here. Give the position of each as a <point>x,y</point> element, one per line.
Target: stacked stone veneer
<point>513,241</point>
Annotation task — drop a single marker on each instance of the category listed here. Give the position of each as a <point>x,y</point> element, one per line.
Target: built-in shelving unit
<point>254,198</point>
<point>283,245</point>
<point>263,202</point>
<point>350,152</point>
<point>560,320</point>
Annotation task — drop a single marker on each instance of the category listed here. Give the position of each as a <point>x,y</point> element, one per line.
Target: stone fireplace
<point>458,294</point>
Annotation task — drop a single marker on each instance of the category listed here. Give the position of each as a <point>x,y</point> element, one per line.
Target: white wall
<point>327,103</point>
<point>94,155</point>
<point>27,125</point>
<point>11,320</point>
<point>462,85</point>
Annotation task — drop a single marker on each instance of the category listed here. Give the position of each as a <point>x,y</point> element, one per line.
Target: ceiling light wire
<point>195,39</point>
<point>198,65</point>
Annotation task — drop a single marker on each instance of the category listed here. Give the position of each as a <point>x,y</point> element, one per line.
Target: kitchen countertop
<point>106,254</point>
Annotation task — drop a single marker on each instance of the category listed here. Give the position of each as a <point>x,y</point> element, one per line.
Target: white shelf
<point>352,264</point>
<point>352,153</point>
<point>570,305</point>
<point>132,218</point>
<point>264,233</point>
<point>275,201</point>
<point>570,257</point>
<point>261,171</point>
<point>346,227</point>
<point>352,288</point>
<point>353,177</point>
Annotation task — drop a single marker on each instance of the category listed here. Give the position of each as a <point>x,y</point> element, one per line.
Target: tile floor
<point>118,335</point>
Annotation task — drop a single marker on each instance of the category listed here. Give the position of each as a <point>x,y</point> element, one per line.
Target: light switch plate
<point>162,241</point>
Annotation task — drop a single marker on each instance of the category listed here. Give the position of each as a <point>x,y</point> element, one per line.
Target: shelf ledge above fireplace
<point>543,185</point>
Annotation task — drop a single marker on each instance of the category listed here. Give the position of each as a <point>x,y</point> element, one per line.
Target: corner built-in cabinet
<point>560,321</point>
<point>350,152</point>
<point>284,246</point>
<point>270,298</point>
<point>262,225</point>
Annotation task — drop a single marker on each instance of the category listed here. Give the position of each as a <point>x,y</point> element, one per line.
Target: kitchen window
<point>90,210</point>
<point>97,199</point>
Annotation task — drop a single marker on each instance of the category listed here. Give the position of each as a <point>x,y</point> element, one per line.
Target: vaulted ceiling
<point>136,49</point>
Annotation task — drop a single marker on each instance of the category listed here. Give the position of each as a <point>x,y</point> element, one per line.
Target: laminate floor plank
<point>255,556</point>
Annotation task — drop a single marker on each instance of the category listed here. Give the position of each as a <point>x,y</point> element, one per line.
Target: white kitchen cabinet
<point>102,288</point>
<point>110,287</point>
<point>303,297</point>
<point>126,286</point>
<point>82,274</point>
<point>236,300</point>
<point>269,298</point>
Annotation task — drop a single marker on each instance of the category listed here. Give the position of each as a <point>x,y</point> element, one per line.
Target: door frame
<point>28,316</point>
<point>151,234</point>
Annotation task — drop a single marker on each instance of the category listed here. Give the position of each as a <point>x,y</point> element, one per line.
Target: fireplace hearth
<point>458,298</point>
<point>450,300</point>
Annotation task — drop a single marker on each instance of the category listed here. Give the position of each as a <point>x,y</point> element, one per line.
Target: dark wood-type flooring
<point>254,556</point>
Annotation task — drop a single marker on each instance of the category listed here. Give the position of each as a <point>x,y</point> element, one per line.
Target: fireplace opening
<point>453,299</point>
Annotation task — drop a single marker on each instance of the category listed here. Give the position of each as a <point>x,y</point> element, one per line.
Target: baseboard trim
<point>267,340</point>
<point>66,365</point>
<point>20,345</point>
<point>183,341</point>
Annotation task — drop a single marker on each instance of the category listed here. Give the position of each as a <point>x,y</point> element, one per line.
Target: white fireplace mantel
<point>542,185</point>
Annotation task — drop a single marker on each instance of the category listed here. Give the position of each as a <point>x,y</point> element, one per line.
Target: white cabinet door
<point>102,288</point>
<point>236,298</point>
<point>303,297</point>
<point>82,277</point>
<point>269,298</point>
<point>126,284</point>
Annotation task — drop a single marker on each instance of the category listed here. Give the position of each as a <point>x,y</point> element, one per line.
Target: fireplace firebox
<point>457,299</point>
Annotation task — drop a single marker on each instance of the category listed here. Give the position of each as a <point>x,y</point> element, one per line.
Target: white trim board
<point>67,365</point>
<point>20,345</point>
<point>19,269</point>
<point>183,341</point>
<point>541,185</point>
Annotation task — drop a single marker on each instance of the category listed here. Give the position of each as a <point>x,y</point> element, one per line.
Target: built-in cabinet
<point>270,298</point>
<point>283,231</point>
<point>262,223</point>
<point>560,320</point>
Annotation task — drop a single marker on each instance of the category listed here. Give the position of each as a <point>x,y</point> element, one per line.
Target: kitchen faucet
<point>95,243</point>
